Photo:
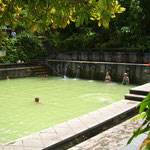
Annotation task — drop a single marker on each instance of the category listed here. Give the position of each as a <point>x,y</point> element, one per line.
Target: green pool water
<point>62,100</point>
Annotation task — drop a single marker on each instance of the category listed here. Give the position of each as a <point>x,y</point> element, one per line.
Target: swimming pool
<point>62,100</point>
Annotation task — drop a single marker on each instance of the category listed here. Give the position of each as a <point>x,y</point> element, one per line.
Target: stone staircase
<point>137,94</point>
<point>42,71</point>
<point>38,61</point>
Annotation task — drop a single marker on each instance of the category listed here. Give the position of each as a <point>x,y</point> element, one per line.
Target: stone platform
<point>138,93</point>
<point>142,89</point>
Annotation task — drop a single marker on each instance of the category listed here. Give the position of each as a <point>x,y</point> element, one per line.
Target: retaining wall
<point>122,57</point>
<point>15,70</point>
<point>138,73</point>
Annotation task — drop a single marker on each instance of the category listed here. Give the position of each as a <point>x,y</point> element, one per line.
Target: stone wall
<point>122,57</point>
<point>15,70</point>
<point>138,73</point>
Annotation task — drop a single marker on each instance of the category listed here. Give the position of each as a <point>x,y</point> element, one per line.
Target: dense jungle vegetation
<point>69,26</point>
<point>129,30</point>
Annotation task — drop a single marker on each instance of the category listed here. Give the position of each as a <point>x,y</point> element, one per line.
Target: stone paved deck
<point>115,138</point>
<point>63,132</point>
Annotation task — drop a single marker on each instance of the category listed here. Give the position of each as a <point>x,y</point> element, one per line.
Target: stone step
<point>40,73</point>
<point>40,70</point>
<point>138,92</point>
<point>134,97</point>
<point>39,67</point>
<point>43,62</point>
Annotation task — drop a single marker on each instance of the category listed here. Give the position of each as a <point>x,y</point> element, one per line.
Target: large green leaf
<point>41,12</point>
<point>102,4</point>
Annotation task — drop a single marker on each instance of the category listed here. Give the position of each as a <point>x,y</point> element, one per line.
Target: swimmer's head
<point>36,99</point>
<point>107,73</point>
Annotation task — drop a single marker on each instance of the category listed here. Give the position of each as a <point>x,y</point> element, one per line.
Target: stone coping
<point>20,68</point>
<point>145,87</point>
<point>5,64</point>
<point>93,62</point>
<point>81,127</point>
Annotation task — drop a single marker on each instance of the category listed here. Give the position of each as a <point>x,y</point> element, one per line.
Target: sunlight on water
<point>62,100</point>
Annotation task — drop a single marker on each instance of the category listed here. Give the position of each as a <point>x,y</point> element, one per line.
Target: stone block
<point>108,56</point>
<point>146,58</point>
<point>133,58</point>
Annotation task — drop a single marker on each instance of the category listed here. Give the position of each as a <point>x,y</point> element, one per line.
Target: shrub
<point>10,48</point>
<point>24,47</point>
<point>145,44</point>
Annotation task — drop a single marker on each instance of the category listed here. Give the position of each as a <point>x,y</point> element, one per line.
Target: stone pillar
<point>87,73</point>
<point>121,69</point>
<point>95,56</point>
<point>120,57</point>
<point>133,58</point>
<point>102,57</point>
<point>74,56</point>
<point>108,56</point>
<point>73,68</point>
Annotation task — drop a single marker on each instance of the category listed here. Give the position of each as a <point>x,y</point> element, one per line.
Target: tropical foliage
<point>144,112</point>
<point>57,13</point>
<point>46,14</point>
<point>3,36</point>
<point>63,23</point>
<point>24,47</point>
<point>130,30</point>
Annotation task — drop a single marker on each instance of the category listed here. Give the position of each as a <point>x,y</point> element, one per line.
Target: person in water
<point>125,80</point>
<point>7,78</point>
<point>37,100</point>
<point>107,77</point>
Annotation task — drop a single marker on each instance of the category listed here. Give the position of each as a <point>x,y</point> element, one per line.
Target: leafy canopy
<point>45,14</point>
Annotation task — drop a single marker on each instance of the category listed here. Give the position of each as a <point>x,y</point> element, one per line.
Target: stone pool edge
<point>94,130</point>
<point>72,132</point>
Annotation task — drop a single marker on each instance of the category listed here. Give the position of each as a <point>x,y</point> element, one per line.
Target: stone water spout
<point>78,71</point>
<point>65,71</point>
<point>58,68</point>
<point>92,72</point>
